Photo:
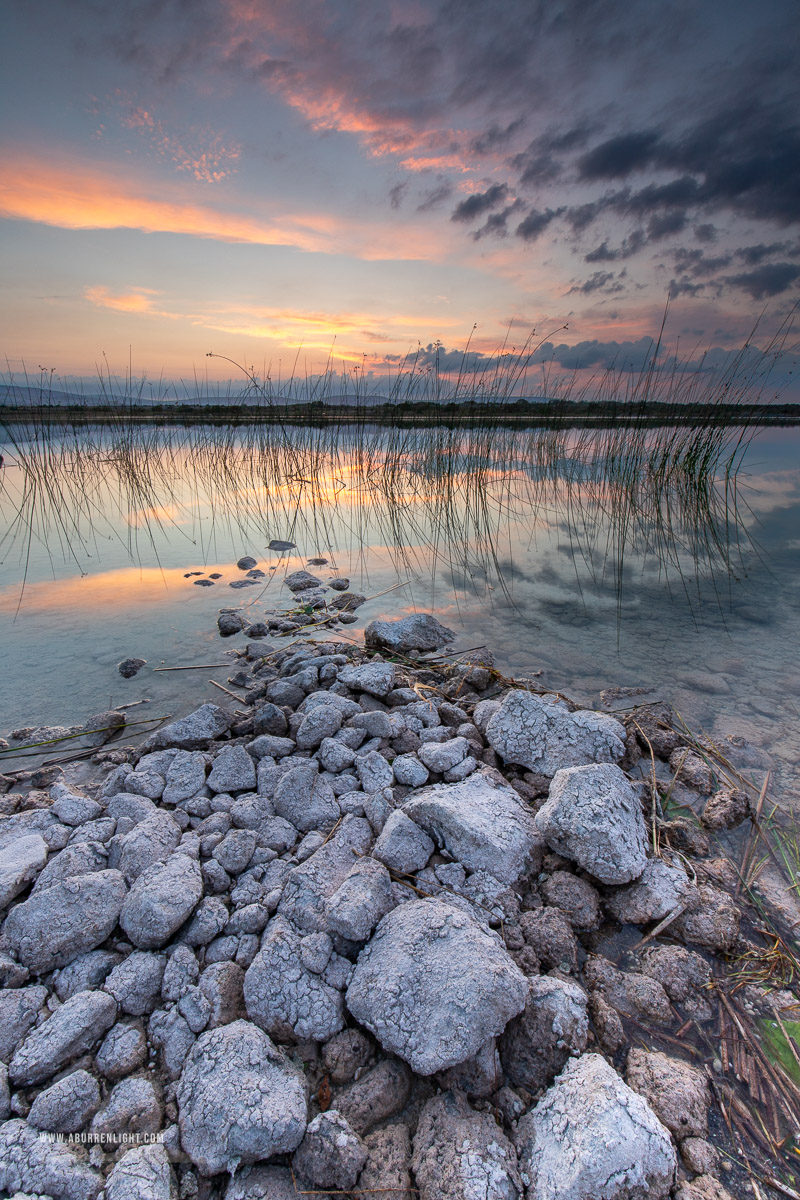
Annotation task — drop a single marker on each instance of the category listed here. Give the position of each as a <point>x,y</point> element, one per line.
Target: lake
<point>661,559</point>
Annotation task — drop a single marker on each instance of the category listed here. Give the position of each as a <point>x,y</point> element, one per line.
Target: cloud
<point>600,281</point>
<point>618,157</point>
<point>769,280</point>
<point>628,247</point>
<point>435,196</point>
<point>137,300</point>
<point>536,222</point>
<point>479,203</point>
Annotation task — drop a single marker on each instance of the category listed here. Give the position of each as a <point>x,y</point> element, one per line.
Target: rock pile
<point>351,941</point>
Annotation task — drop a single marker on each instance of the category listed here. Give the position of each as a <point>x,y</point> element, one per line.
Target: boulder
<point>37,1167</point>
<point>535,733</point>
<point>433,986</point>
<point>376,1095</point>
<point>143,1173</point>
<point>67,1105</point>
<point>678,1094</point>
<point>593,816</point>
<point>20,863</point>
<point>134,1105</point>
<point>483,824</point>
<point>282,995</point>
<point>78,858</point>
<point>461,1153</point>
<point>591,1136</point>
<point>194,732</point>
<point>239,1100</point>
<point>553,1026</point>
<point>402,845</point>
<point>73,1028</point>
<point>19,1011</point>
<point>660,889</point>
<point>420,631</point>
<point>233,771</point>
<point>309,885</point>
<point>374,678</point>
<point>712,922</point>
<point>331,1154</point>
<point>361,899</point>
<point>54,926</point>
<point>161,899</point>
<point>305,800</point>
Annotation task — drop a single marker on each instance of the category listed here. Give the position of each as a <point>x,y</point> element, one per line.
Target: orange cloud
<point>87,197</point>
<point>137,300</point>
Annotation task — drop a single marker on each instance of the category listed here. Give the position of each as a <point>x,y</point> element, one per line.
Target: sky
<point>280,181</point>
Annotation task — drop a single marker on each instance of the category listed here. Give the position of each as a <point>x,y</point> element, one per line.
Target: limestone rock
<point>331,1154</point>
<point>67,1105</point>
<point>402,845</point>
<point>282,995</point>
<point>553,1026</point>
<point>678,1094</point>
<point>73,1028</point>
<point>54,926</point>
<point>193,732</point>
<point>143,1173</point>
<point>20,863</point>
<point>309,885</point>
<point>37,1167</point>
<point>161,899</point>
<point>361,899</point>
<point>420,631</point>
<point>545,738</point>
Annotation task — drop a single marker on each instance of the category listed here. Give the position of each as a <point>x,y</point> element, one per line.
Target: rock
<point>576,898</point>
<point>54,926</point>
<point>678,1094</point>
<point>301,581</point>
<point>84,973</point>
<point>659,891</point>
<point>20,863</point>
<point>553,1026</point>
<point>347,602</point>
<point>235,850</point>
<point>70,808</point>
<point>269,719</point>
<point>628,992</point>
<point>67,1105</point>
<point>265,1183</point>
<point>247,563</point>
<point>442,756</point>
<point>321,722</point>
<point>42,1168</point>
<point>460,1153</point>
<point>692,770</point>
<point>100,728</point>
<point>404,989</point>
<point>593,816</point>
<point>712,923</point>
<point>387,1168</point>
<point>123,1050</point>
<point>591,1136</point>
<point>281,994</point>
<point>309,885</point>
<point>131,666</point>
<point>233,771</point>
<point>143,1173</point>
<point>607,1024</point>
<point>134,1105</point>
<point>374,678</point>
<point>19,1011</point>
<point>334,756</point>
<point>239,1100</point>
<point>136,983</point>
<point>361,899</point>
<point>726,809</point>
<point>549,934</point>
<point>409,771</point>
<point>377,1095</point>
<point>269,745</point>
<point>73,1028</point>
<point>345,1054</point>
<point>281,546</point>
<point>478,1077</point>
<point>482,824</point>
<point>655,730</point>
<point>418,632</point>
<point>699,1156</point>
<point>194,732</point>
<point>151,841</point>
<point>374,772</point>
<point>305,800</point>
<point>331,1154</point>
<point>161,899</point>
<point>169,1032</point>
<point>681,972</point>
<point>543,737</point>
<point>221,984</point>
<point>78,858</point>
<point>209,920</point>
<point>704,1187</point>
<point>402,845</point>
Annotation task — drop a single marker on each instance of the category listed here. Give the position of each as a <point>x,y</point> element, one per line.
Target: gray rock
<point>335,756</point>
<point>131,666</point>
<point>181,971</point>
<point>239,1100</point>
<point>193,732</point>
<point>374,678</point>
<point>78,858</point>
<point>305,800</point>
<point>374,724</point>
<point>309,885</point>
<point>161,899</point>
<point>269,719</point>
<point>268,745</point>
<point>230,623</point>
<point>402,845</point>
<point>54,926</point>
<point>186,775</point>
<point>301,581</point>
<point>233,771</point>
<point>628,992</point>
<point>418,632</point>
<point>19,1010</point>
<point>593,816</point>
<point>123,1050</point>
<point>346,1054</point>
<point>712,922</point>
<point>315,952</point>
<point>235,850</point>
<point>221,984</point>
<point>129,805</point>
<point>283,994</point>
<point>210,918</point>
<point>545,738</point>
<point>478,1077</point>
<point>405,991</point>
<point>151,841</point>
<point>195,1008</point>
<point>442,756</point>
<point>73,1028</point>
<point>136,983</point>
<point>387,1169</point>
<point>409,771</point>
<point>361,899</point>
<point>20,863</point>
<point>145,783</point>
<point>265,1183</point>
<point>134,1106</point>
<point>331,1154</point>
<point>375,1096</point>
<point>374,772</point>
<point>553,1026</point>
<point>323,721</point>
<point>86,972</point>
<point>169,1032</point>
<point>5,1094</point>
<point>459,1153</point>
<point>67,1105</point>
<point>482,824</point>
<point>659,890</point>
<point>591,1136</point>
<point>41,1168</point>
<point>348,708</point>
<point>461,770</point>
<point>70,807</point>
<point>143,1173</point>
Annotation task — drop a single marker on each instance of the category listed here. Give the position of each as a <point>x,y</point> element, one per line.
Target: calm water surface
<point>566,554</point>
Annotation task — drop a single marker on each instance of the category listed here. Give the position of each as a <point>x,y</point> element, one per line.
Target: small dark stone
<point>240,583</point>
<point>256,574</point>
<point>130,667</point>
<point>259,630</point>
<point>317,562</point>
<point>339,585</point>
<point>203,582</point>
<point>277,544</point>
<point>246,563</point>
<point>215,575</point>
<point>348,602</point>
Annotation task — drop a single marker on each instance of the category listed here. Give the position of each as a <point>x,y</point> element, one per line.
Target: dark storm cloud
<point>617,157</point>
<point>479,203</point>
<point>495,138</point>
<point>496,225</point>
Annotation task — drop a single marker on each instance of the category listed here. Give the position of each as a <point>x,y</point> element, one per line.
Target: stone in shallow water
<point>277,544</point>
<point>131,666</point>
<point>433,986</point>
<point>542,736</point>
<point>418,632</point>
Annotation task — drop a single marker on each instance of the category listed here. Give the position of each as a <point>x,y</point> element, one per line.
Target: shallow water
<point>561,553</point>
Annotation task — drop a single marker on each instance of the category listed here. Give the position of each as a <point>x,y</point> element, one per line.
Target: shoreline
<point>292,870</point>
